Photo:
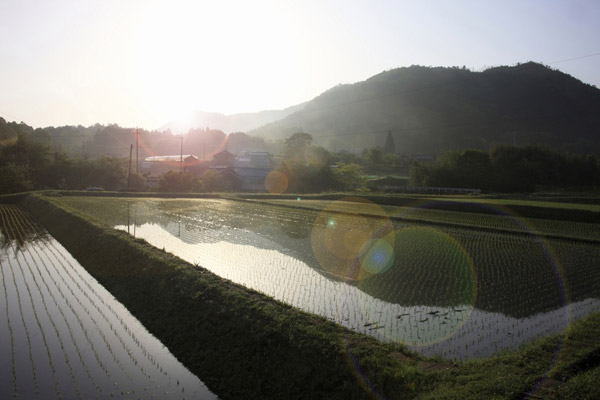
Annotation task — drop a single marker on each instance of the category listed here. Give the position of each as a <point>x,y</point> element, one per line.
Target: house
<point>222,159</point>
<point>253,167</point>
<point>246,172</point>
<point>158,165</point>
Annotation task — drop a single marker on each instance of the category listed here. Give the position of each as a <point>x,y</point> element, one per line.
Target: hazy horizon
<point>144,64</point>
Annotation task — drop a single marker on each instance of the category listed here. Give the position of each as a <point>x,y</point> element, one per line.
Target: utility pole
<point>129,173</point>
<point>181,155</point>
<point>137,146</point>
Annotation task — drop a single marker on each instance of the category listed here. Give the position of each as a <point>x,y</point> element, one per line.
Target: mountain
<point>242,122</point>
<point>430,109</point>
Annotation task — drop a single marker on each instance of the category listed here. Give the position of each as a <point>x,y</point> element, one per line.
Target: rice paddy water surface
<point>455,292</point>
<point>63,336</point>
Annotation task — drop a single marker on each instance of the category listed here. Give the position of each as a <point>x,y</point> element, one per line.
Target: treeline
<point>28,165</point>
<point>509,169</point>
<point>97,141</point>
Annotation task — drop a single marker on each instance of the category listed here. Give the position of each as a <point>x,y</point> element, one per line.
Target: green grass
<point>528,203</point>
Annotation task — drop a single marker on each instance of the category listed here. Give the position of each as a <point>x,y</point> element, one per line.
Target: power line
<point>575,58</point>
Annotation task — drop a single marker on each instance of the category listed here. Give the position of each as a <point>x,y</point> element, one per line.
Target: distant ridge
<point>429,109</point>
<point>242,122</point>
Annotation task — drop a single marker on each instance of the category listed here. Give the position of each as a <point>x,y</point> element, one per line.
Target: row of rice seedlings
<point>11,335</point>
<point>76,314</point>
<point>16,225</point>
<point>96,327</point>
<point>38,260</point>
<point>105,305</point>
<point>33,371</point>
<point>37,254</point>
<point>84,286</point>
<point>100,330</point>
<point>116,333</point>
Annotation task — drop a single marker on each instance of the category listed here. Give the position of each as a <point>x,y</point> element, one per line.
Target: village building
<point>158,165</point>
<point>246,172</point>
<point>253,167</point>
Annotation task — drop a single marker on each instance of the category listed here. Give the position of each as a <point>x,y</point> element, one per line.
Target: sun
<point>203,56</point>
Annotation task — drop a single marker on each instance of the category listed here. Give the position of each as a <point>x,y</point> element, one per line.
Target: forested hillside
<point>432,109</point>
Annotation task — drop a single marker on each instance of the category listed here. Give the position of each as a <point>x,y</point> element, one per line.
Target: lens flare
<point>540,248</point>
<point>276,182</point>
<point>348,238</point>
<point>376,256</point>
<point>429,274</point>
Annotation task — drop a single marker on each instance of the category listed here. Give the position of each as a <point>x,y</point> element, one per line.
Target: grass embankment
<point>246,345</point>
<point>574,209</point>
<point>531,208</point>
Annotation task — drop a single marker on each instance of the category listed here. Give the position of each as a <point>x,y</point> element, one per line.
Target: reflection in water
<point>457,292</point>
<point>63,335</point>
<point>457,332</point>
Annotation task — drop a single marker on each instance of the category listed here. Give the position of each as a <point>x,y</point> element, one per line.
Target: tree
<point>374,157</point>
<point>306,167</point>
<point>212,181</point>
<point>14,178</point>
<point>107,172</point>
<point>475,170</point>
<point>297,143</point>
<point>390,146</point>
<point>137,182</point>
<point>350,177</point>
<point>178,182</point>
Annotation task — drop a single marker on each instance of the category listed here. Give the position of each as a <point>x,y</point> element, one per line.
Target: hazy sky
<point>143,63</point>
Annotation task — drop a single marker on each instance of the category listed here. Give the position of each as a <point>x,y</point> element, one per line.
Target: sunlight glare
<point>209,56</point>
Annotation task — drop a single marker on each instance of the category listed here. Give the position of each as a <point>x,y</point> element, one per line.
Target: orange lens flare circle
<point>353,239</point>
<point>276,182</point>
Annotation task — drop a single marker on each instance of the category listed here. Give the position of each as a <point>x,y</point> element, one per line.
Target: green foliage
<point>39,168</point>
<point>374,157</point>
<point>508,169</point>
<point>14,178</point>
<point>212,181</point>
<point>137,182</point>
<point>350,177</point>
<point>346,158</point>
<point>107,172</point>
<point>297,144</point>
<point>306,167</point>
<point>179,182</point>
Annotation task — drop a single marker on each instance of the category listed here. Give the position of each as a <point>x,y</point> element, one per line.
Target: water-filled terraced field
<point>455,290</point>
<point>63,336</point>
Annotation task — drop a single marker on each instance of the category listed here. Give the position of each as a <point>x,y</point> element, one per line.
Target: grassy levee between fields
<point>478,205</point>
<point>241,343</point>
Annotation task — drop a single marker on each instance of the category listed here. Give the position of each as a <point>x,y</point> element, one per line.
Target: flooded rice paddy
<point>455,292</point>
<point>63,336</point>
